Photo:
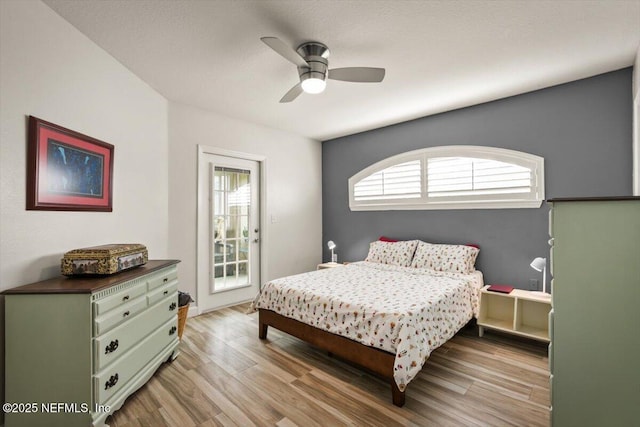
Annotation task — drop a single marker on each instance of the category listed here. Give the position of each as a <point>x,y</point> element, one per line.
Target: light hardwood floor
<point>226,376</point>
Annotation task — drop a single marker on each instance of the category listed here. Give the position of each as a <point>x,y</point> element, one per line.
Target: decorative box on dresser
<point>77,347</point>
<point>595,321</point>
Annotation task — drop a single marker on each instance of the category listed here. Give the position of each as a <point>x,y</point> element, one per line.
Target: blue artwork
<point>72,171</point>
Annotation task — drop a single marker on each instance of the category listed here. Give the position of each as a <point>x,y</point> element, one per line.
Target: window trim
<point>532,199</point>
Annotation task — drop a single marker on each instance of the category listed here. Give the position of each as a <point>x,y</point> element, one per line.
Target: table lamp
<point>540,264</point>
<point>332,246</point>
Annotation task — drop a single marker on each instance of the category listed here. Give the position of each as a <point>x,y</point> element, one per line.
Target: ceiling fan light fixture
<point>313,85</point>
<point>312,60</point>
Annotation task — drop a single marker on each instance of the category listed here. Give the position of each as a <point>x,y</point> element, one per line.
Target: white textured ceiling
<point>439,55</point>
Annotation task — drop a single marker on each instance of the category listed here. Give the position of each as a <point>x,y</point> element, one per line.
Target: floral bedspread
<point>405,311</point>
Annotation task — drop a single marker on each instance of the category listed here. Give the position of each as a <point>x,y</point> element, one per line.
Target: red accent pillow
<point>386,239</point>
<point>473,245</point>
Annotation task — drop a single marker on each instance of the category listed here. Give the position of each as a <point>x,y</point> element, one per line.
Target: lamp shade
<point>331,245</point>
<point>539,264</point>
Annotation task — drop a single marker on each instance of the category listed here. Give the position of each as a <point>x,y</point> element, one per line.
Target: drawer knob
<point>166,279</point>
<point>165,292</point>
<point>126,313</point>
<point>172,330</point>
<point>173,306</point>
<point>112,381</point>
<point>125,298</point>
<point>113,346</point>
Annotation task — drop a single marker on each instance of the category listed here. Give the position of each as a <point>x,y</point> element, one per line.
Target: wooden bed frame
<point>378,361</point>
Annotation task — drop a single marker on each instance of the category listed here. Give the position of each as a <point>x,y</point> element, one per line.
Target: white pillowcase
<point>447,258</point>
<point>392,253</point>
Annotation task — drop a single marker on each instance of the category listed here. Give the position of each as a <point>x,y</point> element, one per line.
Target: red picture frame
<point>66,170</point>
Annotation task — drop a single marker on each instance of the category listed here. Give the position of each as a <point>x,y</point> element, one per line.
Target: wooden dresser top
<point>88,284</point>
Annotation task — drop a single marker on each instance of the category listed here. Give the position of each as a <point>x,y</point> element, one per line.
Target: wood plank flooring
<point>226,376</point>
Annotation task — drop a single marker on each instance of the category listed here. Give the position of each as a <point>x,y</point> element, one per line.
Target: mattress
<point>405,311</point>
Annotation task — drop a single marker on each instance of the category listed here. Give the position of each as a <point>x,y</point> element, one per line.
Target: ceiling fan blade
<point>357,74</point>
<point>292,94</point>
<point>285,51</point>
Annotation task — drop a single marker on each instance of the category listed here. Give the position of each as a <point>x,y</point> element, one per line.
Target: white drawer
<point>110,346</point>
<point>118,374</point>
<point>114,317</point>
<point>162,278</point>
<point>118,299</point>
<point>162,292</point>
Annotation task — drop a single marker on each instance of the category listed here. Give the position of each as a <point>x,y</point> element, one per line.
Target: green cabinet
<point>76,348</point>
<point>595,322</point>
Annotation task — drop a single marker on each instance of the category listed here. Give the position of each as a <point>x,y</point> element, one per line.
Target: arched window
<point>450,177</point>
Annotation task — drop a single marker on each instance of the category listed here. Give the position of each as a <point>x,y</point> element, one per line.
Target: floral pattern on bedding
<point>405,311</point>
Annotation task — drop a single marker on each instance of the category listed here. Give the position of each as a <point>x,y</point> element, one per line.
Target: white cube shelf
<point>519,312</point>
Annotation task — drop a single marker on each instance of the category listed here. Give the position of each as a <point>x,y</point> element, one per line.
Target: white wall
<point>294,189</point>
<point>53,72</point>
<point>50,70</point>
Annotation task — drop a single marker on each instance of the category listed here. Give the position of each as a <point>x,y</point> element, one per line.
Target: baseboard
<point>224,306</point>
<point>193,311</point>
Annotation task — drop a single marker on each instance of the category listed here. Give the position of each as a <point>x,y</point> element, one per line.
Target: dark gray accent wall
<point>583,129</point>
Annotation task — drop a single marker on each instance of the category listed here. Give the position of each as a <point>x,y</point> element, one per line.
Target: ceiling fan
<point>313,68</point>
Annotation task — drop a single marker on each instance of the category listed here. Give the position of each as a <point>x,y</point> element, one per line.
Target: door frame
<point>202,213</point>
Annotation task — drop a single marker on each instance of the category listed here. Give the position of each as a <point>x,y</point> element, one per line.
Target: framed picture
<point>66,170</point>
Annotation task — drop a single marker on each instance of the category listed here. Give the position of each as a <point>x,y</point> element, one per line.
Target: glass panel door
<point>231,228</point>
<point>228,232</point>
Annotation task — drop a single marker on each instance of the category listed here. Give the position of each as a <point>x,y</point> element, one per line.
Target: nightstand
<point>519,312</point>
<point>329,265</point>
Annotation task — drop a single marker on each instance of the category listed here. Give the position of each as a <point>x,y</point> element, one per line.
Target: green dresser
<point>76,348</point>
<point>594,355</point>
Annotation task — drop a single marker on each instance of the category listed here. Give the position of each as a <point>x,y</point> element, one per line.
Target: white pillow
<point>448,258</point>
<point>392,253</point>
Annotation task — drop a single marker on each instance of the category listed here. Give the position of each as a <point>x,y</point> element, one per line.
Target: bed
<point>386,314</point>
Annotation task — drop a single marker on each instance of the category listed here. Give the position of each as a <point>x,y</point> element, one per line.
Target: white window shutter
<point>450,177</point>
